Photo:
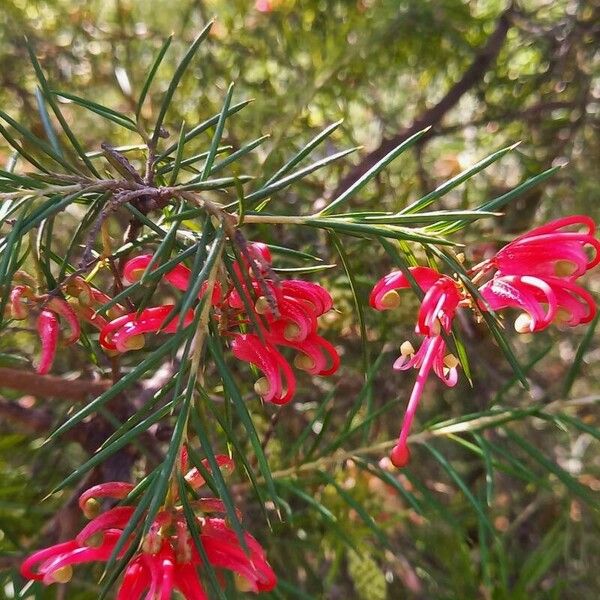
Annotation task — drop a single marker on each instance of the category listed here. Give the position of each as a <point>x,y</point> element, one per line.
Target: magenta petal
<point>47,326</point>
<point>116,517</point>
<point>424,276</point>
<point>44,555</point>
<point>188,582</point>
<point>135,581</point>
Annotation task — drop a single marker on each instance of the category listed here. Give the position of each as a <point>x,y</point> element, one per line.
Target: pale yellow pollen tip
<point>407,349</point>
<point>63,575</point>
<point>390,299</point>
<point>451,361</point>
<point>261,386</point>
<point>564,268</point>
<point>291,331</point>
<point>135,342</point>
<point>523,323</point>
<point>91,508</point>
<point>304,362</point>
<point>262,305</point>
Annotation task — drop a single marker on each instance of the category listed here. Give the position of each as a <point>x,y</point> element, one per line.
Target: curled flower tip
<point>524,323</point>
<point>18,309</point>
<point>400,455</point>
<point>63,308</point>
<point>47,326</point>
<point>63,574</point>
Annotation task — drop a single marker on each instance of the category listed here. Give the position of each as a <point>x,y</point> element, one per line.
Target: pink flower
<point>537,272</point>
<point>168,559</point>
<point>442,298</point>
<point>552,250</point>
<point>23,299</point>
<point>285,312</point>
<point>278,384</point>
<point>127,332</point>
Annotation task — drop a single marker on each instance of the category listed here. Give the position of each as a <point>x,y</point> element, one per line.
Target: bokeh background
<point>384,66</point>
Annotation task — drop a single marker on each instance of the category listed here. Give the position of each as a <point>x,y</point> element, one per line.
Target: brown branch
<point>471,77</point>
<point>51,386</point>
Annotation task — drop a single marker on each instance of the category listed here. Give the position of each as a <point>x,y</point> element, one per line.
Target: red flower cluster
<point>285,313</point>
<point>168,559</point>
<point>535,273</point>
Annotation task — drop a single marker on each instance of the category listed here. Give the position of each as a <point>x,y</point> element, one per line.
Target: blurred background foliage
<point>511,513</point>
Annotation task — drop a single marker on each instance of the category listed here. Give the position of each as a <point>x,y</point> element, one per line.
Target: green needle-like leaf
<point>373,171</point>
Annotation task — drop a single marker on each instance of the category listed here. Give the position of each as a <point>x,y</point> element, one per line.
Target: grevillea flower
<point>442,298</point>
<point>168,559</point>
<point>23,301</point>
<point>285,312</point>
<point>127,332</point>
<point>537,271</point>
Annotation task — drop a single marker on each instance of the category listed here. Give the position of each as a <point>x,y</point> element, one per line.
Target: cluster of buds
<point>167,559</point>
<point>535,273</point>
<point>284,313</point>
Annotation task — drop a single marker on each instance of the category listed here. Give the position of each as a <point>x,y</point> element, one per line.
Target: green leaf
<point>373,171</point>
<point>304,152</point>
<point>151,74</point>
<point>268,190</point>
<point>103,111</point>
<point>179,71</point>
<point>243,414</point>
<point>577,363</point>
<point>443,189</point>
<point>210,159</point>
<point>54,106</point>
<point>463,486</point>
<point>568,481</point>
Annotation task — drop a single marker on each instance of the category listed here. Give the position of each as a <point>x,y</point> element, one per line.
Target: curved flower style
<point>286,313</point>
<point>442,298</point>
<point>168,559</point>
<point>537,272</point>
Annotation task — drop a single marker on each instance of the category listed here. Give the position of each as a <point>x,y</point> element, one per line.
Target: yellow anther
<point>436,327</point>
<point>135,342</point>
<point>63,575</point>
<point>451,361</point>
<point>261,386</point>
<point>91,508</point>
<point>564,268</point>
<point>304,362</point>
<point>390,299</point>
<point>262,305</point>
<point>291,331</point>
